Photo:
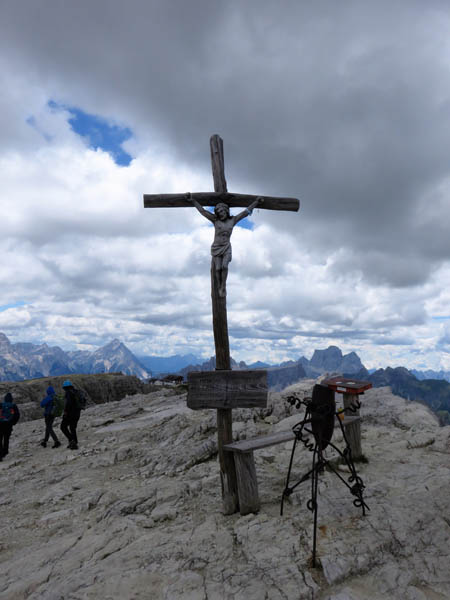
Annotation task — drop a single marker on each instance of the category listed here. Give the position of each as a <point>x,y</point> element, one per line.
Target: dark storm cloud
<point>273,333</point>
<point>346,106</point>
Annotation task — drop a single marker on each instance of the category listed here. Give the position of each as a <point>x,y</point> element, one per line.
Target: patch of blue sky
<point>4,307</point>
<point>98,132</point>
<point>246,224</point>
<point>440,318</point>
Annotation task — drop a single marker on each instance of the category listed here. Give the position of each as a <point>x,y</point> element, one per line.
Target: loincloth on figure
<point>221,255</point>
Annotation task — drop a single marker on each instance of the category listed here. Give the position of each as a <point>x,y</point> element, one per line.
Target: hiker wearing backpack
<point>49,404</point>
<point>71,415</point>
<point>9,415</point>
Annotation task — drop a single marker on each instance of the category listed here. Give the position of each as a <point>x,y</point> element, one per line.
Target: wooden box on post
<point>350,389</point>
<point>227,389</point>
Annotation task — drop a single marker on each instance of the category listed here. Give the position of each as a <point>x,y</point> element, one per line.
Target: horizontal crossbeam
<point>213,198</point>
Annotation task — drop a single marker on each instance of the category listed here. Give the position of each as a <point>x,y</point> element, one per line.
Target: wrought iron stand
<point>318,422</point>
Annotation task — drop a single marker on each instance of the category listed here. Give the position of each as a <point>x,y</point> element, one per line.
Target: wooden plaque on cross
<point>225,390</point>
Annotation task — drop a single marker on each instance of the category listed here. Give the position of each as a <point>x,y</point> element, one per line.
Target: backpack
<point>6,412</point>
<point>58,405</point>
<point>81,398</point>
<point>9,413</point>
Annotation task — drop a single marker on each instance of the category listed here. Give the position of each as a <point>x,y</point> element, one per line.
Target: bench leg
<point>247,483</point>
<point>353,430</point>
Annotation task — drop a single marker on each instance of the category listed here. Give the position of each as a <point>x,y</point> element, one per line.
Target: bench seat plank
<point>261,442</point>
<point>272,439</point>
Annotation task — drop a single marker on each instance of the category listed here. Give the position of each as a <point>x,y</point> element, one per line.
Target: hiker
<point>71,414</point>
<point>9,415</point>
<point>48,404</point>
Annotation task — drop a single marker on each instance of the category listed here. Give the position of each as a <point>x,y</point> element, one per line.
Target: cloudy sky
<point>344,105</point>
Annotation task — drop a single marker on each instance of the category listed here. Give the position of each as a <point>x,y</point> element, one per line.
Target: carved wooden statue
<point>221,246</point>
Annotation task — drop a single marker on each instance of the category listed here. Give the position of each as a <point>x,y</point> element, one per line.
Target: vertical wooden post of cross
<point>222,346</point>
<point>224,391</point>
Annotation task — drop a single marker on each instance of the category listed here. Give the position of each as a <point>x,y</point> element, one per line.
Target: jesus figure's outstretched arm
<point>248,211</point>
<point>200,208</point>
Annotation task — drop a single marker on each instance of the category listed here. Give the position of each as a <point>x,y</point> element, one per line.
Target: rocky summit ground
<point>136,511</point>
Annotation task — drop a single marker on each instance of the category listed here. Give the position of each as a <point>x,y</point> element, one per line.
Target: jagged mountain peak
<point>4,341</point>
<point>115,348</point>
<point>115,356</point>
<point>114,344</point>
<point>328,359</point>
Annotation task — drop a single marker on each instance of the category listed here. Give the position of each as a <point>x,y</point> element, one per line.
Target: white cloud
<point>345,107</point>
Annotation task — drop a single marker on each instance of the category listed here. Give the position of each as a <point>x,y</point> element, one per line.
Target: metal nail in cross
<point>223,389</point>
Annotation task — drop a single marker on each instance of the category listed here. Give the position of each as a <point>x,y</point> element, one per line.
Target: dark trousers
<point>5,433</point>
<point>69,427</point>
<point>49,428</point>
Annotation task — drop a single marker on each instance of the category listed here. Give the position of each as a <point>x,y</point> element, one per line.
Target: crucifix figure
<point>221,247</point>
<point>225,389</point>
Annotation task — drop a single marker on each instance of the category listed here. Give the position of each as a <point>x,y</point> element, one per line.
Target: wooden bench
<point>247,482</point>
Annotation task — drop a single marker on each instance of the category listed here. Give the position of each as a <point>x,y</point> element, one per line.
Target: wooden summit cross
<point>223,389</point>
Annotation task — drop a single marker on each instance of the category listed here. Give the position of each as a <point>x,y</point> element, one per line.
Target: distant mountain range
<point>435,393</point>
<point>429,374</point>
<point>22,361</point>
<point>29,361</point>
<point>280,376</point>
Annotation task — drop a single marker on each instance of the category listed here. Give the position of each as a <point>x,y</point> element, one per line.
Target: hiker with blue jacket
<point>9,415</point>
<point>48,404</point>
<point>71,415</point>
